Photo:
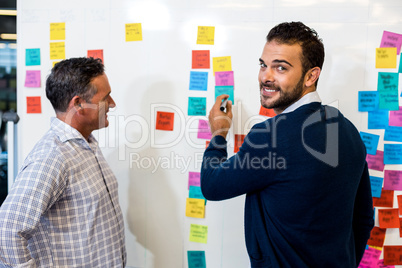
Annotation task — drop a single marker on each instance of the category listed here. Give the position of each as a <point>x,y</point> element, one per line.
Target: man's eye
<point>281,68</point>
<point>262,65</point>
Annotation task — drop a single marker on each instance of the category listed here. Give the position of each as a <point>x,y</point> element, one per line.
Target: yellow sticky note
<point>57,51</point>
<point>385,57</point>
<point>198,233</point>
<point>221,64</point>
<point>133,32</point>
<point>195,208</point>
<point>58,31</point>
<point>206,35</point>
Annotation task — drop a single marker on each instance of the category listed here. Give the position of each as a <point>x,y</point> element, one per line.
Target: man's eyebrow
<point>107,95</point>
<point>283,61</point>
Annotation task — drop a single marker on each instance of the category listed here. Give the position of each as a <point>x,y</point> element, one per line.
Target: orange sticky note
<point>392,255</point>
<point>239,139</point>
<point>207,144</point>
<point>388,218</point>
<point>377,237</point>
<point>34,105</point>
<point>386,199</point>
<point>201,59</point>
<point>400,227</point>
<point>164,121</point>
<point>96,54</point>
<point>267,112</point>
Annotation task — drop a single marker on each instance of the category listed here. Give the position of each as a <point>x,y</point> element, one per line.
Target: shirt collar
<point>306,99</point>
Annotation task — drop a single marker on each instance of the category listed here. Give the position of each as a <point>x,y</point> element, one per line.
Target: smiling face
<point>281,77</point>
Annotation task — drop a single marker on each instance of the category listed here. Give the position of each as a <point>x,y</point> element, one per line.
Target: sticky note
<point>219,90</point>
<point>198,233</point>
<point>200,59</point>
<point>393,180</point>
<point>32,56</point>
<point>395,118</point>
<point>193,179</point>
<point>238,141</point>
<point>32,78</point>
<point>376,186</point>
<point>377,237</point>
<point>133,32</point>
<point>392,255</point>
<point>221,64</point>
<point>390,39</point>
<point>370,257</point>
<point>400,64</point>
<point>392,154</point>
<point>197,106</point>
<point>198,81</point>
<point>371,142</point>
<point>399,198</point>
<point>224,78</point>
<point>378,119</point>
<point>205,35</point>
<point>164,121</point>
<point>393,134</point>
<point>207,144</point>
<point>195,208</point>
<point>34,105</point>
<point>58,31</point>
<point>400,225</point>
<point>387,81</point>
<point>267,112</point>
<point>204,132</point>
<point>57,51</point>
<point>380,264</point>
<point>376,162</point>
<point>388,101</point>
<point>386,199</point>
<point>385,57</point>
<point>388,218</point>
<point>368,101</point>
<point>195,192</point>
<point>196,259</point>
<point>96,54</point>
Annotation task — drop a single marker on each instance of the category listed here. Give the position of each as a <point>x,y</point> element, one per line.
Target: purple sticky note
<point>32,78</point>
<point>203,130</point>
<point>376,162</point>
<point>390,39</point>
<point>194,179</point>
<point>395,118</point>
<point>224,78</point>
<point>393,180</point>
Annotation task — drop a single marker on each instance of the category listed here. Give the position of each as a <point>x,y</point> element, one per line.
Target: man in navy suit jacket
<point>304,173</point>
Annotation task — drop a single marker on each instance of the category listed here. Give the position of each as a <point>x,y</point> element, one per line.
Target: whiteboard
<point>153,75</point>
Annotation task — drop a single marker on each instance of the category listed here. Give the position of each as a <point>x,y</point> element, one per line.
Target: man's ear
<point>312,76</point>
<point>76,103</point>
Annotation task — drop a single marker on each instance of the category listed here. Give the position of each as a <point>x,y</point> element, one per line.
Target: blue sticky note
<point>387,82</point>
<point>393,134</point>
<point>392,154</point>
<point>196,259</point>
<point>376,186</point>
<point>32,56</point>
<point>195,192</point>
<point>368,101</point>
<point>198,81</point>
<point>197,106</point>
<point>370,141</point>
<point>378,119</point>
<point>229,90</point>
<point>388,100</point>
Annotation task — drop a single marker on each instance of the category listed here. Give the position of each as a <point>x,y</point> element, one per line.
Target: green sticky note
<point>388,101</point>
<point>197,106</point>
<point>400,64</point>
<point>196,259</point>
<point>229,90</point>
<point>198,233</point>
<point>32,56</point>
<point>387,82</point>
<point>195,192</point>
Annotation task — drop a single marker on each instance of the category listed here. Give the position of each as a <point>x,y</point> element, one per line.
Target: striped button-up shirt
<point>63,209</point>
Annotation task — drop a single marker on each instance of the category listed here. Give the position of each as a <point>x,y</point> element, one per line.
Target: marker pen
<point>223,104</point>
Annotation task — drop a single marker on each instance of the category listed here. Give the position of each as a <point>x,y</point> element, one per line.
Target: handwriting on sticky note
<point>390,39</point>
<point>34,105</point>
<point>206,35</point>
<point>204,132</point>
<point>378,119</point>
<point>238,141</point>
<point>224,78</point>
<point>96,54</point>
<point>200,59</point>
<point>57,51</point>
<point>392,255</point>
<point>399,198</point>
<point>368,101</point>
<point>385,57</point>
<point>193,179</point>
<point>388,218</point>
<point>388,101</point>
<point>133,32</point>
<point>58,31</point>
<point>198,233</point>
<point>32,78</point>
<point>393,134</point>
<point>267,112</point>
<point>196,259</point>
<point>376,186</point>
<point>393,180</point>
<point>392,154</point>
<point>195,208</point>
<point>32,56</point>
<point>386,199</point>
<point>198,81</point>
<point>370,257</point>
<point>376,162</point>
<point>197,106</point>
<point>229,90</point>
<point>395,118</point>
<point>377,237</point>
<point>195,192</point>
<point>370,141</point>
<point>387,81</point>
<point>221,64</point>
<point>164,121</point>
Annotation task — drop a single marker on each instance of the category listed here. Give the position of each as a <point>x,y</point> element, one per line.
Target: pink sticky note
<point>32,78</point>
<point>376,162</point>
<point>203,130</point>
<point>395,118</point>
<point>393,180</point>
<point>194,179</point>
<point>224,78</point>
<point>370,258</point>
<point>390,39</point>
<point>381,264</point>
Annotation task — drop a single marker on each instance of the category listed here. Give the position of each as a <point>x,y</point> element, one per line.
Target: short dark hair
<point>296,32</point>
<point>72,77</point>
